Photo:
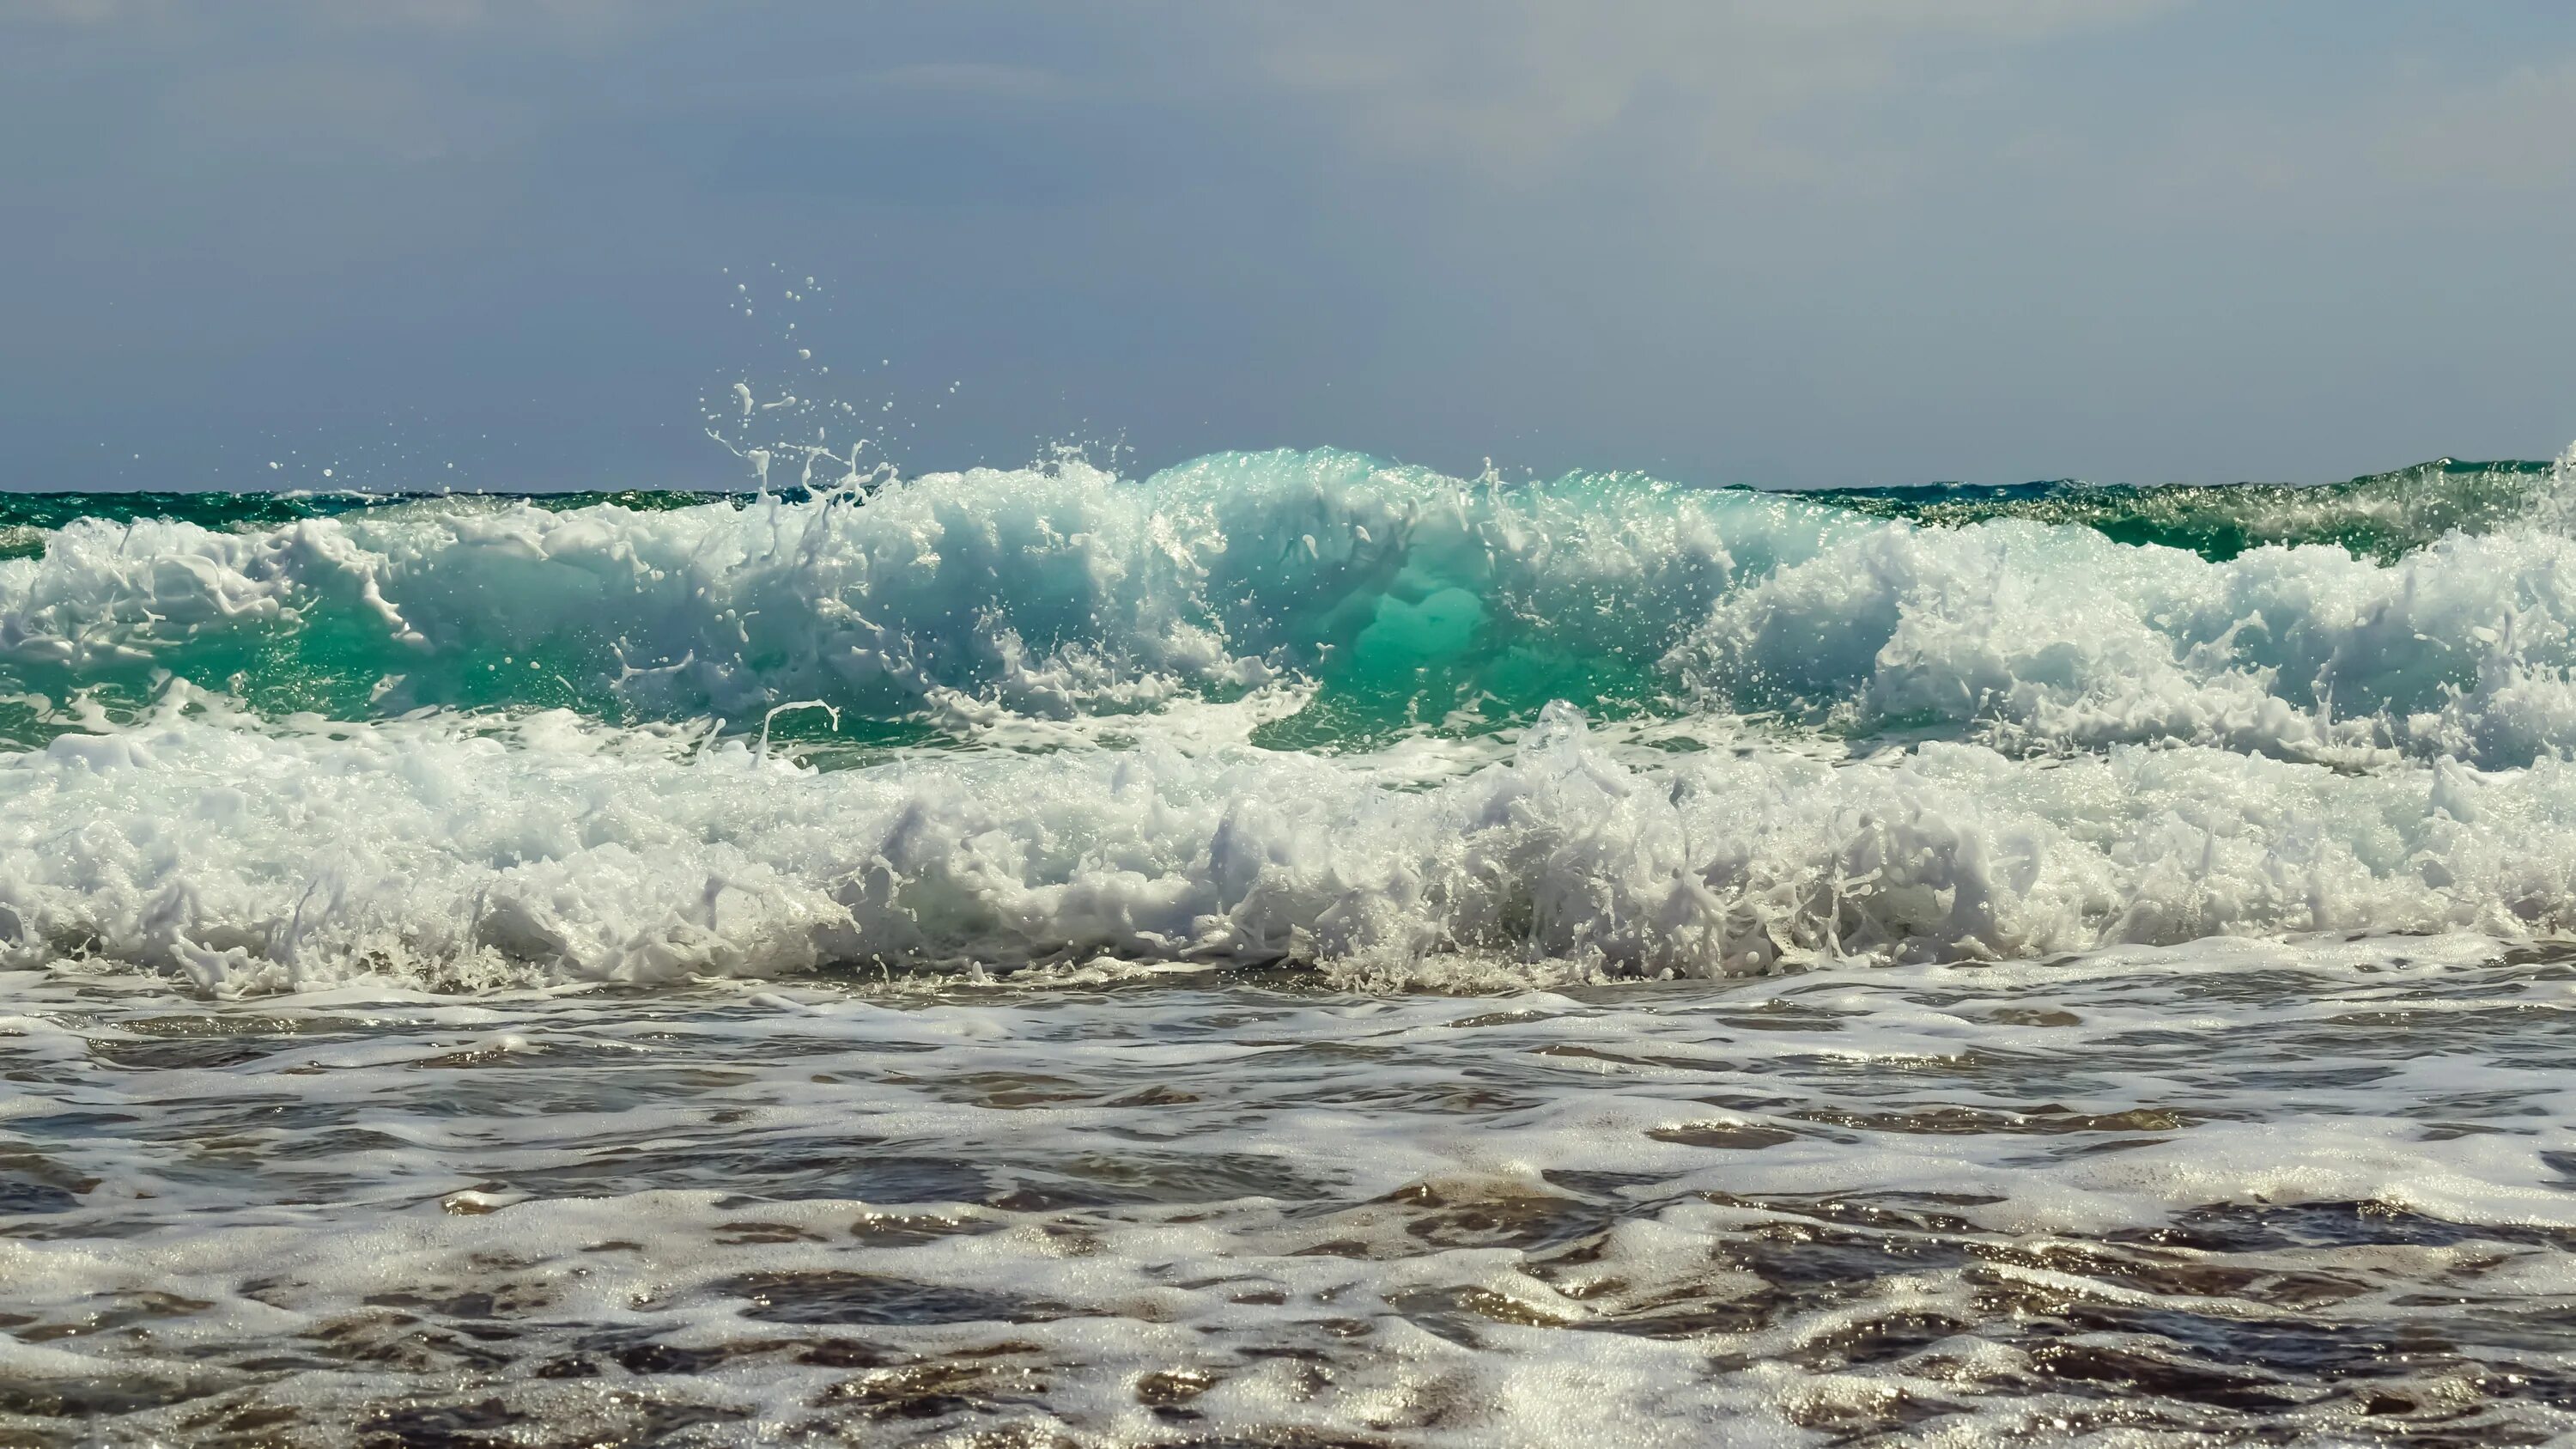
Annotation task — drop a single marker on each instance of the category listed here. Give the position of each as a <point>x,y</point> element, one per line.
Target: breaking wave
<point>1283,707</point>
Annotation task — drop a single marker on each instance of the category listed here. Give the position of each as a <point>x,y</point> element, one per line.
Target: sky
<point>536,243</point>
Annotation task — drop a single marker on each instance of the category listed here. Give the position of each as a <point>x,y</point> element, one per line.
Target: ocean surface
<point>1295,951</point>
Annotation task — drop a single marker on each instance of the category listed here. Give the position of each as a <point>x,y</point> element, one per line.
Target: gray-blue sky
<point>1788,241</point>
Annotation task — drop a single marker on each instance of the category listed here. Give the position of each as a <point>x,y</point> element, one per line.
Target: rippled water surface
<point>2321,1192</point>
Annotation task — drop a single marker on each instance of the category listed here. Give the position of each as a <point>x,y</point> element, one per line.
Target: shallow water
<point>2319,1192</point>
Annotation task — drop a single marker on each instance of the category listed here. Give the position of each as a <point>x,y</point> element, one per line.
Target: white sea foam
<point>2181,1196</point>
<point>475,851</point>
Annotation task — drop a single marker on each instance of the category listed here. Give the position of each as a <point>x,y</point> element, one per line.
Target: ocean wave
<point>461,852</point>
<point>2054,638</point>
<point>1050,592</point>
<point>2381,516</point>
<point>1407,599</point>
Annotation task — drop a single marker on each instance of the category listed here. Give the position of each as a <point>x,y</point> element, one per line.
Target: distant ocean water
<point>1291,950</point>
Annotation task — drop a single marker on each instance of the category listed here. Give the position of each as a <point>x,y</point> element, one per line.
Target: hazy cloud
<point>292,115</point>
<point>1521,87</point>
<point>1763,240</point>
<point>2516,131</point>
